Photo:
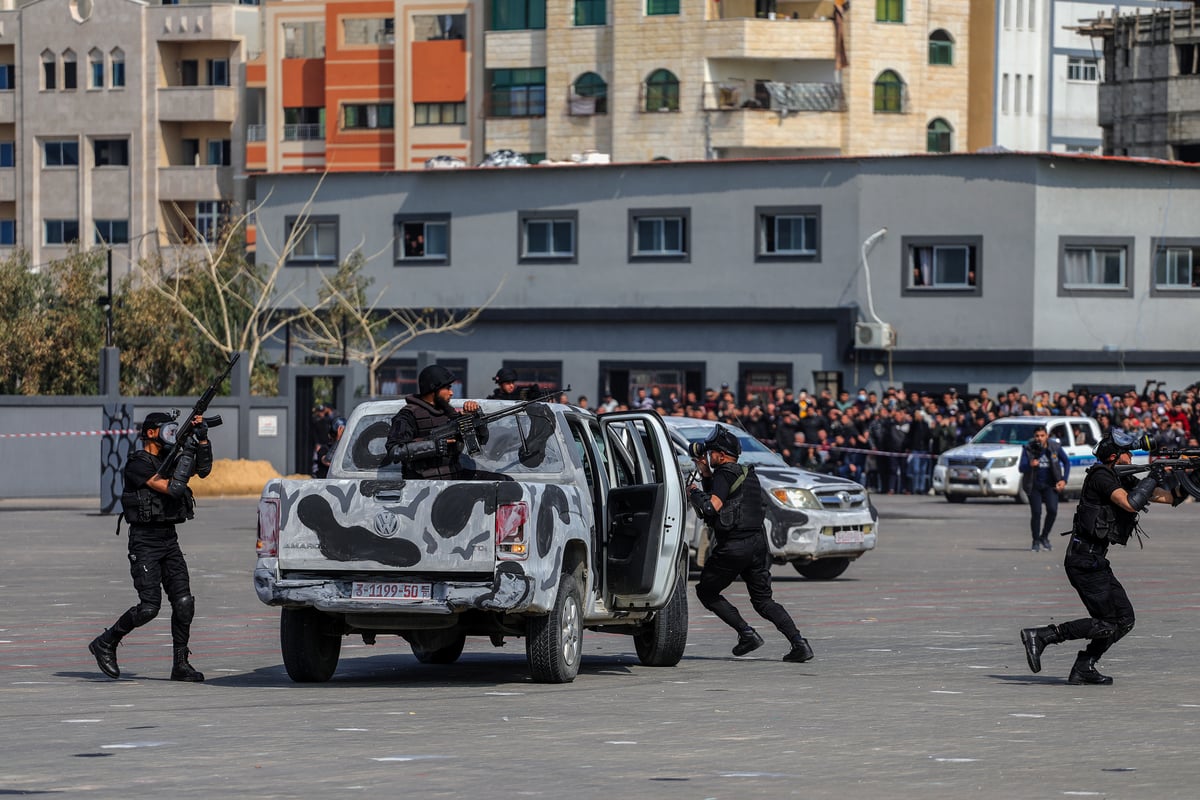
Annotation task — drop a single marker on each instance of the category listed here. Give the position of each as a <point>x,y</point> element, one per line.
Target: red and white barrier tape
<point>117,432</point>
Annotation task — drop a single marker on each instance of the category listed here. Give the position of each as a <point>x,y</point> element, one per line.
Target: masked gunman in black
<point>153,506</point>
<point>1107,514</point>
<point>410,442</point>
<point>731,504</point>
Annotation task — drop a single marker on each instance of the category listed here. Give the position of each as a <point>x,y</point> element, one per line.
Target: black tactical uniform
<point>740,551</point>
<point>409,440</point>
<point>155,559</point>
<point>505,376</point>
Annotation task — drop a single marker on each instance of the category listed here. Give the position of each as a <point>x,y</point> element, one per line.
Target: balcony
<point>204,22</point>
<point>8,107</point>
<point>780,96</point>
<point>792,39</point>
<point>304,132</point>
<point>767,115</point>
<point>195,183</point>
<point>197,103</point>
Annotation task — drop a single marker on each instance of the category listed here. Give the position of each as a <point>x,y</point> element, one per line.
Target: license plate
<point>848,537</point>
<point>967,474</point>
<point>391,590</point>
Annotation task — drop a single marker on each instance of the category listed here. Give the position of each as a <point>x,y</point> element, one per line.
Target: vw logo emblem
<point>386,524</point>
<point>844,499</point>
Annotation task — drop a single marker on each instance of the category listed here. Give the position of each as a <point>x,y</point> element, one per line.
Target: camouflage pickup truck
<point>568,522</point>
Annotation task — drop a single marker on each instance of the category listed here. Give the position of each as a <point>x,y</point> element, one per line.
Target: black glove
<point>1139,498</point>
<point>702,502</point>
<point>201,432</point>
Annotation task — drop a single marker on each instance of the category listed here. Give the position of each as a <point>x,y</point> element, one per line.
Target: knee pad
<point>184,608</point>
<point>1124,626</point>
<point>143,613</point>
<point>1101,630</point>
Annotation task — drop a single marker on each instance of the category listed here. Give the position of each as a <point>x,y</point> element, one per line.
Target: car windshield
<point>753,451</point>
<point>1001,432</point>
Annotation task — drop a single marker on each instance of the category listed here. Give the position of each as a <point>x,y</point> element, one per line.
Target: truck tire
<point>310,652</point>
<point>661,641</point>
<point>824,569</point>
<point>554,642</point>
<point>955,498</point>
<point>445,654</point>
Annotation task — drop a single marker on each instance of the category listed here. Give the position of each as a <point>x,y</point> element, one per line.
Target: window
<point>889,10</point>
<point>889,93</point>
<point>659,234</point>
<point>61,231</point>
<point>314,241</point>
<point>434,27</point>
<point>70,71</point>
<point>191,152</point>
<point>1098,265</point>
<point>61,154</point>
<point>936,264</point>
<point>589,95</point>
<point>111,152</point>
<point>304,40</point>
<point>518,92</point>
<point>49,71</point>
<point>95,70</point>
<point>1004,93</point>
<point>658,7</point>
<point>1028,94</point>
<point>1176,266</point>
<point>423,240</point>
<point>218,72</point>
<point>220,153</point>
<point>189,72</point>
<point>518,15</point>
<point>8,232</point>
<point>1032,14</point>
<point>439,113</point>
<point>547,236</point>
<point>8,77</point>
<point>368,116</point>
<point>1082,69</point>
<point>112,231</point>
<point>662,91</point>
<point>788,234</point>
<point>118,68</point>
<point>373,32</point>
<point>941,48</point>
<point>208,220</point>
<point>1185,59</point>
<point>303,123</point>
<point>938,137</point>
<point>590,12</point>
<point>8,154</point>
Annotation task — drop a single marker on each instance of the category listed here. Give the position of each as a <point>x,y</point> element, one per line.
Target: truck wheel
<point>445,654</point>
<point>554,642</point>
<point>661,641</point>
<point>310,652</point>
<point>824,569</point>
<point>956,498</point>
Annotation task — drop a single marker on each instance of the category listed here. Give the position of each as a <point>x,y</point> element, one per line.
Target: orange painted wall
<point>356,74</point>
<point>256,155</point>
<point>256,73</point>
<point>303,82</point>
<point>439,71</point>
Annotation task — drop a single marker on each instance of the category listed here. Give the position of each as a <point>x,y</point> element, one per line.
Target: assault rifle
<point>186,428</point>
<point>1183,463</point>
<point>465,427</point>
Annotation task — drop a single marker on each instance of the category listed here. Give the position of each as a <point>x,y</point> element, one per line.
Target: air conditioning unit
<point>874,336</point>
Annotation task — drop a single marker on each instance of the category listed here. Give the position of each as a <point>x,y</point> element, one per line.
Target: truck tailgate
<point>387,526</point>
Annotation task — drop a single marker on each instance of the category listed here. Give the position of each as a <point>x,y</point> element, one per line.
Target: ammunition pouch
<point>148,507</point>
<point>1101,523</point>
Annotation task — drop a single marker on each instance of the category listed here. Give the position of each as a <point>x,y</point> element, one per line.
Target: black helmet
<point>505,375</point>
<point>163,422</point>
<point>722,439</point>
<point>433,378</point>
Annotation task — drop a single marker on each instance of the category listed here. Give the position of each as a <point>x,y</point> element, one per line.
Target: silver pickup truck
<point>567,522</point>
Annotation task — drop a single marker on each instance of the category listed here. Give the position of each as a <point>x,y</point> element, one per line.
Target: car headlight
<point>1004,463</point>
<point>941,462</point>
<point>796,498</point>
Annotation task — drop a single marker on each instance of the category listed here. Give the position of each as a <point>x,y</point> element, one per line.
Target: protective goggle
<point>167,432</point>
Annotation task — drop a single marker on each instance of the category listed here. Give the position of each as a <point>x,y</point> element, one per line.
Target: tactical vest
<point>147,507</point>
<point>427,418</point>
<point>742,511</point>
<point>1102,522</point>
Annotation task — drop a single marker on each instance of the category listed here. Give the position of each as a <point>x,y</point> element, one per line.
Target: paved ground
<point>919,688</point>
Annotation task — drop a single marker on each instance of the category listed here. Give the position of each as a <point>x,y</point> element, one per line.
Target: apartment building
<point>119,124</point>
<point>351,85</point>
<point>1048,72</point>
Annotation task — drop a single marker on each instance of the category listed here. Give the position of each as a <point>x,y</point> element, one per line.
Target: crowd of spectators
<point>888,442</point>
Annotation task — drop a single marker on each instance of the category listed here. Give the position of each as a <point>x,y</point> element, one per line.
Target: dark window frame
<point>585,11</point>
<point>49,144</point>
<point>111,236</point>
<point>947,134</point>
<point>762,213</point>
<point>317,259</point>
<point>1190,242</point>
<point>941,49</point>
<point>679,212</point>
<point>8,233</point>
<point>64,228</point>
<point>399,259</point>
<point>910,243</point>
<point>523,220</point>
<point>8,154</point>
<point>889,11</point>
<point>107,152</point>
<point>1093,242</point>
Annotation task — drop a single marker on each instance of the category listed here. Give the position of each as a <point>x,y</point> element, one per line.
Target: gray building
<point>1034,270</point>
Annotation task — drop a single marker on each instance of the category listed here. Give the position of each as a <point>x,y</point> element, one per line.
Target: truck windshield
<point>1001,432</point>
<point>523,444</point>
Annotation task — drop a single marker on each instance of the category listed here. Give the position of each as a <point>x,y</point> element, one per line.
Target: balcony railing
<point>783,96</point>
<point>256,133</point>
<point>303,132</point>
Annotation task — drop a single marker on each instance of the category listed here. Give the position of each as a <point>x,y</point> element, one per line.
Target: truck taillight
<point>512,519</point>
<point>268,527</point>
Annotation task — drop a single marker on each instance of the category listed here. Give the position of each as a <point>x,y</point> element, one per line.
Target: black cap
<point>155,420</point>
<point>505,375</point>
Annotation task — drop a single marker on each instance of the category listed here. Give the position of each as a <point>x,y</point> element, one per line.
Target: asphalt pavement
<point>919,687</point>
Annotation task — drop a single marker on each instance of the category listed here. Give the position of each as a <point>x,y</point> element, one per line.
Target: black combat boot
<point>748,641</point>
<point>183,671</point>
<point>1084,671</point>
<point>800,652</point>
<point>104,648</point>
<point>1035,641</point>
